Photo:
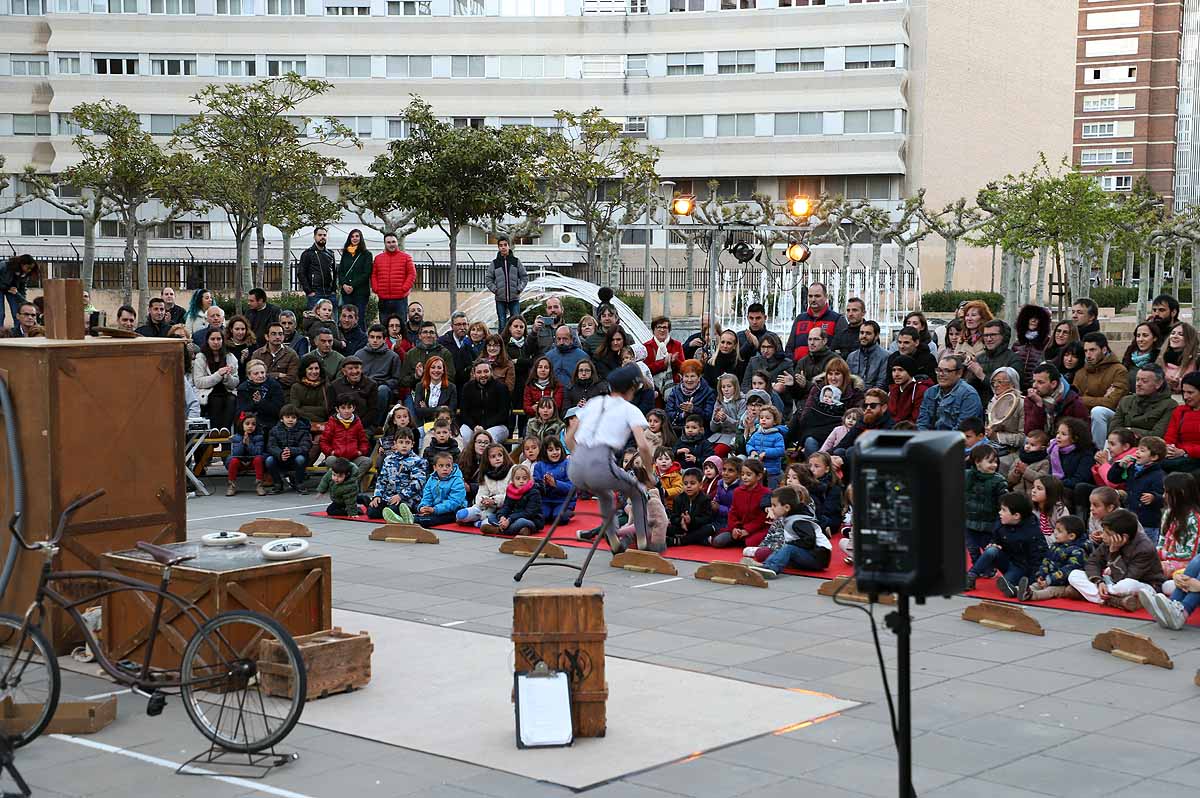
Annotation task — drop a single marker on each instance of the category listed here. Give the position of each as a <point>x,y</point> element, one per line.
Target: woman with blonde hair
<point>976,313</point>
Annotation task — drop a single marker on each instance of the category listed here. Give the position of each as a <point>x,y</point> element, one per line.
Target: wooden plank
<point>1006,617</point>
<point>730,573</point>
<point>644,562</point>
<point>851,592</point>
<point>525,545</point>
<point>64,308</point>
<point>1132,647</point>
<point>275,528</point>
<point>404,533</point>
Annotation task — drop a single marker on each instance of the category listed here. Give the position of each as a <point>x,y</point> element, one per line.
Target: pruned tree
<point>952,223</point>
<point>7,179</point>
<point>90,206</point>
<point>294,208</point>
<point>378,207</point>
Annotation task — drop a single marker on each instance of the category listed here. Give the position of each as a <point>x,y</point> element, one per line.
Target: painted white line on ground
<point>249,784</point>
<point>98,696</point>
<point>659,582</point>
<point>263,511</point>
<point>453,623</point>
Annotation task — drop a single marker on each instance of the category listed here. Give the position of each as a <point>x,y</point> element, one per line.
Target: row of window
<point>1105,157</point>
<point>113,229</point>
<point>407,8</point>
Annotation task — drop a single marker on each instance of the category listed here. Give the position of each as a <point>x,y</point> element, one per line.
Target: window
<point>67,127</point>
<point>347,11</point>
<point>348,66</point>
<point>736,188</point>
<point>27,8</point>
<point>116,66</point>
<point>1116,102</point>
<point>634,125</point>
<point>68,6</point>
<point>52,227</point>
<point>635,66</point>
<point>690,126</point>
<point>635,237</point>
<point>27,65</point>
<point>468,121</point>
<point>1105,157</point>
<point>282,66</point>
<point>172,6</point>
<point>543,122</point>
<point>1117,74</point>
<point>1100,130</point>
<point>875,56</point>
<point>685,63</point>
<point>532,8</point>
<point>638,6</point>
<point>468,8</point>
<point>787,60</point>
<point>407,66</point>
<point>466,66</point>
<point>808,123</point>
<point>800,3</point>
<point>285,7</point>
<point>687,5</point>
<point>531,66</point>
<point>200,230</point>
<point>808,59</point>
<point>122,6</point>
<point>738,5</point>
<point>1116,182</point>
<point>799,187</point>
<point>731,62</point>
<point>875,121</point>
<point>735,124</point>
<point>244,67</point>
<point>409,8</point>
<point>359,125</point>
<point>68,65</point>
<point>232,7</point>
<point>165,124</point>
<point>173,65</point>
<point>31,124</point>
<point>397,129</point>
<point>603,66</point>
<point>111,228</point>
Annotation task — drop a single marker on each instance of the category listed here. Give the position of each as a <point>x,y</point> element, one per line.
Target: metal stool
<point>548,538</point>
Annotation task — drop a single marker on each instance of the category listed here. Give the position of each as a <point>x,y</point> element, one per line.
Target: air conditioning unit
<point>568,239</point>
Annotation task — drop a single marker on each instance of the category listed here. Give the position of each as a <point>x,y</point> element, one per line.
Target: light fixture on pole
<point>683,205</point>
<point>799,207</point>
<point>798,252</point>
<point>742,251</point>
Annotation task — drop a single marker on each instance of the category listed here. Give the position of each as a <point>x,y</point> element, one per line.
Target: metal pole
<point>903,688</point>
<point>714,255</point>
<point>667,187</point>
<point>646,269</point>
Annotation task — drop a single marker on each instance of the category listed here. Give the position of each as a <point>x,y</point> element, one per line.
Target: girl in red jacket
<point>1183,430</point>
<point>747,524</point>
<point>540,384</point>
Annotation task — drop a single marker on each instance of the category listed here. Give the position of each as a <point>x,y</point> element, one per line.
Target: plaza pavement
<point>996,714</point>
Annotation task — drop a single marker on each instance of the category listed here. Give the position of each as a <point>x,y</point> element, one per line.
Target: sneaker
<point>1005,587</point>
<point>587,534</point>
<point>276,489</point>
<point>970,581</point>
<point>749,562</point>
<point>763,571</point>
<point>749,552</point>
<point>298,486</point>
<point>1173,612</point>
<point>260,488</point>
<point>231,490</point>
<point>1023,589</point>
<point>390,516</point>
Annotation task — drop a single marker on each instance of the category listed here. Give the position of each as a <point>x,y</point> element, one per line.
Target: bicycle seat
<point>164,555</point>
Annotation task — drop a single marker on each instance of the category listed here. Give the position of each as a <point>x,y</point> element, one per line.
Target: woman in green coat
<point>354,275</point>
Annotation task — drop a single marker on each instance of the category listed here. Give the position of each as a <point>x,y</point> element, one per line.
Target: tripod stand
<point>548,538</point>
<point>8,765</point>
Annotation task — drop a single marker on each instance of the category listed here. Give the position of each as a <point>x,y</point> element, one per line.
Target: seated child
<point>1046,494</point>
<point>1142,473</point>
<point>1124,563</point>
<point>1179,543</point>
<point>340,481</point>
<point>1172,611</point>
<point>711,471</point>
<point>691,518</point>
<point>722,496</point>
<point>747,522</point>
<point>521,511</point>
<point>670,476</point>
<point>973,435</point>
<point>694,447</point>
<point>1017,548</point>
<point>400,481</point>
<point>346,438</point>
<point>400,417</point>
<point>1120,442</point>
<point>826,492</point>
<point>1032,462</point>
<point>546,424</point>
<point>529,453</point>
<point>794,540</point>
<point>850,420</point>
<point>493,484</point>
<point>982,490</point>
<point>550,475</point>
<point>766,443</point>
<point>444,494</point>
<point>287,450</point>
<point>439,440</point>
<point>658,431</point>
<point>1065,554</point>
<point>846,544</point>
<point>656,515</point>
<point>246,447</point>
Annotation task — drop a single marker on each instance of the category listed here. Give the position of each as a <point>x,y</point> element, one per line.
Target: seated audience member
<point>283,365</point>
<point>770,360</point>
<point>1146,411</point>
<point>668,473</point>
<point>546,423</point>
<point>1005,418</point>
<point>729,408</point>
<point>287,451</point>
<point>261,395</point>
<point>472,462</point>
<point>585,385</point>
<point>995,355</point>
<point>875,417</point>
<point>1119,443</point>
<point>551,477</point>
<point>345,437</point>
<point>1084,313</point>
<point>1016,551</point>
<point>826,492</point>
<point>954,336</point>
<point>746,525</point>
<point>1179,551</point>
<point>722,495</point>
<point>360,390</point>
<point>215,318</point>
<point>1124,563</point>
<point>766,443</point>
<point>692,395</point>
<point>982,490</point>
<point>260,313</point>
<point>521,510</point>
<point>691,521</point>
<point>1067,553</point>
<point>396,338</point>
<point>1071,455</point>
<point>664,354</point>
<point>427,346</point>
<point>945,405</point>
<point>693,448</point>
<point>340,481</point>
<point>1144,351</point>
<point>485,405</point>
<point>794,386</point>
<point>1164,313</point>
<point>520,345</point>
<point>1180,354</point>
<point>327,356</point>
<point>565,355</point>
<point>608,354</point>
<point>832,394</point>
<point>157,324</point>
<point>1030,335</point>
<point>1101,383</point>
<point>1142,473</point>
<point>1047,495</point>
<point>433,390</point>
<point>351,338</point>
<point>725,359</point>
<point>541,384</point>
<point>491,478</point>
<point>869,360</point>
<point>794,539</point>
<point>907,390</point>
<point>850,420</point>
<point>247,448</point>
<point>400,481</point>
<point>504,370</point>
<point>440,439</point>
<point>215,377</point>
<point>1050,398</point>
<point>381,365</point>
<point>444,494</point>
<point>908,344</point>
<point>1070,361</point>
<point>308,394</point>
<point>469,351</point>
<point>292,337</point>
<point>1183,430</point>
<point>239,340</point>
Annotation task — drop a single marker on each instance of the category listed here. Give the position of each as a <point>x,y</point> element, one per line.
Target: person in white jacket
<point>215,378</point>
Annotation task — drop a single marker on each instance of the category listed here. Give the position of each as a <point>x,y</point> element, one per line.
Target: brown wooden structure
<point>643,562</point>
<point>404,533</point>
<point>730,573</point>
<point>70,717</point>
<point>275,528</point>
<point>1132,647</point>
<point>334,661</point>
<point>525,545</point>
<point>1006,617</point>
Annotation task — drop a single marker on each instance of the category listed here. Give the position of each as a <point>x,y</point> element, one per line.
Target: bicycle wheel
<point>29,678</point>
<point>244,683</point>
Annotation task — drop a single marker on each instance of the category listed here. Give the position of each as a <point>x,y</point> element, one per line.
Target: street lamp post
<point>646,265</point>
<point>668,191</point>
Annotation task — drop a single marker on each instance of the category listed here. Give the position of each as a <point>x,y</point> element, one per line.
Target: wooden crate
<point>294,592</point>
<point>334,661</point>
<point>70,717</point>
<point>97,413</point>
<point>564,627</point>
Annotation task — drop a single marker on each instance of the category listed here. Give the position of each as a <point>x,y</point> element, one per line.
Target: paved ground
<point>996,714</point>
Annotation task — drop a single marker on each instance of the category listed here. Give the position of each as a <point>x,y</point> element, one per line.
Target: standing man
<point>544,326</point>
<point>869,359</point>
<point>506,279</point>
<point>392,279</point>
<point>261,313</point>
<point>1084,312</point>
<point>847,340</point>
<point>951,401</point>
<point>175,313</point>
<point>126,318</point>
<point>318,271</point>
<point>416,318</point>
<point>749,338</point>
<point>283,364</point>
<point>157,324</point>
<point>1102,383</point>
<point>819,314</point>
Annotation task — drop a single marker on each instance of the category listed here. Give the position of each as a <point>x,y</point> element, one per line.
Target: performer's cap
<point>624,378</point>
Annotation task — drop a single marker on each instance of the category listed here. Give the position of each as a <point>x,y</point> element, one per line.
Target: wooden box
<point>564,627</point>
<point>70,717</point>
<point>90,414</point>
<point>334,661</point>
<point>294,592</point>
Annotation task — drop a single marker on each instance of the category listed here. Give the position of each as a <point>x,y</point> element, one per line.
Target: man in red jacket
<point>906,392</point>
<point>392,278</point>
<point>819,314</point>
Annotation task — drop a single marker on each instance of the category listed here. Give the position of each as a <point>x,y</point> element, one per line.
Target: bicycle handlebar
<point>67,512</point>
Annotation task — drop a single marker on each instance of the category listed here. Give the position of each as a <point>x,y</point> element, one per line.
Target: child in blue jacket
<point>766,443</point>
<point>247,447</point>
<point>521,511</point>
<point>1143,475</point>
<point>550,476</point>
<point>400,481</point>
<point>444,495</point>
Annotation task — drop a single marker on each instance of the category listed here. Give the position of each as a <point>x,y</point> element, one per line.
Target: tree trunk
<point>1178,268</point>
<point>243,275</point>
<point>646,273</point>
<point>87,269</point>
<point>1104,273</point>
<point>260,266</point>
<point>690,278</point>
<point>1072,273</point>
<point>1159,269</point>
<point>1195,280</point>
<point>714,268</point>
<point>285,265</point>
<point>1026,270</point>
<point>1127,272</point>
<point>143,271</point>
<point>951,257</point>
<point>1083,279</point>
<point>1040,289</point>
<point>130,255</point>
<point>1143,284</point>
<point>843,273</point>
<point>453,276</point>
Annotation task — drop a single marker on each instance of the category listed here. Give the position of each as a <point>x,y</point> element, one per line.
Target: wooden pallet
<point>1006,617</point>
<point>524,545</point>
<point>403,533</point>
<point>851,592</point>
<point>1132,647</point>
<point>275,528</point>
<point>643,562</point>
<point>730,573</point>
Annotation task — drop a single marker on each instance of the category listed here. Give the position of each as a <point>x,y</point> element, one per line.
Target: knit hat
<point>906,362</point>
<point>715,460</point>
<point>759,394</point>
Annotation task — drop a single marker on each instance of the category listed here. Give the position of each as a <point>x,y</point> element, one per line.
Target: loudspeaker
<point>908,513</point>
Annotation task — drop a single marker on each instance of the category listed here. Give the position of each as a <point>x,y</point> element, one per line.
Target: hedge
<point>948,301</point>
<point>1114,297</point>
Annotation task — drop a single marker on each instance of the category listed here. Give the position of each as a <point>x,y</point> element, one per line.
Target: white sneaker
<point>1172,612</point>
<point>749,552</point>
<point>749,562</point>
<point>763,570</point>
<point>1149,601</point>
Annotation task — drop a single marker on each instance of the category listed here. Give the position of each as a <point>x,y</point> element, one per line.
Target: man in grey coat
<point>382,365</point>
<point>506,279</point>
<point>869,361</point>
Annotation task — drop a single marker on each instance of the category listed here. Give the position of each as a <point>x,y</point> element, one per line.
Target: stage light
<point>683,205</point>
<point>743,251</point>
<point>799,207</point>
<point>798,252</point>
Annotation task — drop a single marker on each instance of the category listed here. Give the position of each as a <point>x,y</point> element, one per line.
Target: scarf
<point>519,343</point>
<point>498,473</point>
<point>1140,359</point>
<point>1031,335</point>
<point>542,385</point>
<point>1054,452</point>
<point>352,248</point>
<point>515,493</point>
<point>660,349</point>
<point>1029,458</point>
<point>345,423</point>
<point>1173,356</point>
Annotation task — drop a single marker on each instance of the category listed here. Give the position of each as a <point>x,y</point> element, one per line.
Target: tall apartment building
<point>1187,131</point>
<point>866,98</point>
<point>1127,95</point>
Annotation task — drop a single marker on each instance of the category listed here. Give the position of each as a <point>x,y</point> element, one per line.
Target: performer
<point>596,443</point>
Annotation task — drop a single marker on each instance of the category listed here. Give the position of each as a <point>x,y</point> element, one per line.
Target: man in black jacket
<point>261,313</point>
<point>908,342</point>
<point>157,324</point>
<point>318,271</point>
<point>485,404</point>
<point>845,341</point>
